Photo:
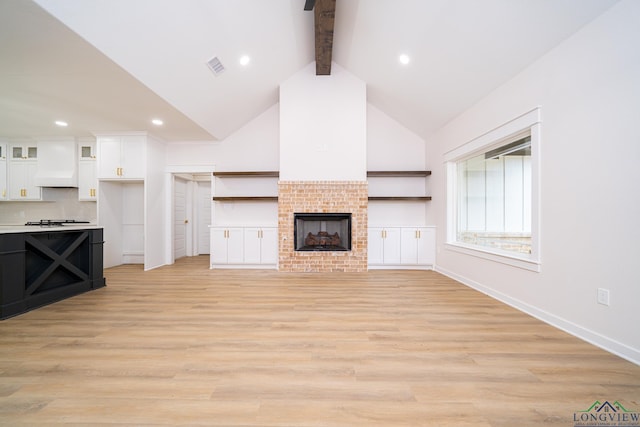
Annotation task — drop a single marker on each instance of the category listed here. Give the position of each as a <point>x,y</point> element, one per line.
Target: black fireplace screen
<point>322,231</point>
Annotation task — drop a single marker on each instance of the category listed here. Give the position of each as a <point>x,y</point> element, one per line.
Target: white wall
<point>154,203</point>
<point>391,146</point>
<point>588,88</point>
<point>256,146</point>
<point>323,126</point>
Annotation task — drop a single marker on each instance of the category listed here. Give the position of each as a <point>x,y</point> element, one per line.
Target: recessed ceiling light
<point>61,123</point>
<point>157,122</point>
<point>244,60</point>
<point>404,59</point>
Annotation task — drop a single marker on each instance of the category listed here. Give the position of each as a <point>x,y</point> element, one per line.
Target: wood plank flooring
<point>185,345</point>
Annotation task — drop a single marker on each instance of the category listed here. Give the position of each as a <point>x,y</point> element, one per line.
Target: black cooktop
<point>55,222</point>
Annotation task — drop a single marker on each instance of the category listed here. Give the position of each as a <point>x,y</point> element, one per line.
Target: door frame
<point>171,172</point>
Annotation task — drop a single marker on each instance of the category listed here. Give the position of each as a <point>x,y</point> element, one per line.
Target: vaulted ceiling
<point>113,65</point>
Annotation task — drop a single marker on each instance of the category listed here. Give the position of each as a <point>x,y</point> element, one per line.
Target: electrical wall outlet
<point>603,296</point>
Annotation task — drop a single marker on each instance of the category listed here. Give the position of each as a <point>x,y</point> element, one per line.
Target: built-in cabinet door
<point>235,245</point>
<point>121,157</point>
<point>87,181</point>
<point>391,241</point>
<point>133,157</point>
<point>86,150</point>
<point>418,245</point>
<point>4,193</point>
<point>227,245</point>
<point>269,246</point>
<point>218,245</point>
<point>23,152</point>
<point>21,181</point>
<point>375,251</point>
<point>252,243</point>
<point>410,240</point>
<point>426,246</point>
<point>384,245</point>
<point>109,157</point>
<point>260,245</point>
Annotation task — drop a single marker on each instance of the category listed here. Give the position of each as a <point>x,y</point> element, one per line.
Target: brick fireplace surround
<point>322,196</point>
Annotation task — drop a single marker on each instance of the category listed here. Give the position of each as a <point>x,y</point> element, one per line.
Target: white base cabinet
<point>418,246</point>
<point>384,245</point>
<point>244,247</point>
<point>261,246</point>
<point>401,247</point>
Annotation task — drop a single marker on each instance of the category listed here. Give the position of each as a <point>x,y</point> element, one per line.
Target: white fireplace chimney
<point>323,126</point>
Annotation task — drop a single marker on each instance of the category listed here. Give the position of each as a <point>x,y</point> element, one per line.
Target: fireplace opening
<point>322,231</point>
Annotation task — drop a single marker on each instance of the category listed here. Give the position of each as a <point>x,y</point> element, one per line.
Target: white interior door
<point>179,218</point>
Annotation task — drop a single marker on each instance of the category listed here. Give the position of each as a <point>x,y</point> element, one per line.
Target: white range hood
<point>57,164</point>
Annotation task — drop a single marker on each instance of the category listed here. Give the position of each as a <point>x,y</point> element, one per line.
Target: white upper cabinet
<point>22,169</point>
<point>23,151</point>
<point>87,181</point>
<point>21,181</point>
<point>86,150</point>
<point>121,157</point>
<point>87,171</point>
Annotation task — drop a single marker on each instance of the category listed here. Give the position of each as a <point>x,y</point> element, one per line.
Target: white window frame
<point>530,123</point>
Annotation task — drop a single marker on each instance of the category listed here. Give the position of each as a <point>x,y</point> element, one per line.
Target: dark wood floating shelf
<point>262,174</point>
<point>401,198</point>
<point>246,199</point>
<point>398,173</point>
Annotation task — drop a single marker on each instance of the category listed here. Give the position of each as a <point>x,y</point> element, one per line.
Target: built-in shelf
<point>401,198</point>
<point>246,174</point>
<point>251,174</point>
<point>399,174</point>
<point>246,199</point>
<point>387,174</point>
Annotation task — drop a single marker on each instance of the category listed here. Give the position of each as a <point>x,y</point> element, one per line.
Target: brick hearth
<point>322,196</point>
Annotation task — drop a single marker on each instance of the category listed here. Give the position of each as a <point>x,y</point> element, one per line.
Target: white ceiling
<point>140,59</point>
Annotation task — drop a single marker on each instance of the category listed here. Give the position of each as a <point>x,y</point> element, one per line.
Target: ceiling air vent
<point>215,65</point>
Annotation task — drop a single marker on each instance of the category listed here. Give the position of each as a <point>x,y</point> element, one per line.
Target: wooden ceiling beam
<point>324,17</point>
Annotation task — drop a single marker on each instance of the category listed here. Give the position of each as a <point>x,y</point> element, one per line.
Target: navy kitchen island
<point>44,265</point>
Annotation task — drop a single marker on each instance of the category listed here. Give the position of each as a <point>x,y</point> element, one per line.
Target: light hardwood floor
<point>185,345</point>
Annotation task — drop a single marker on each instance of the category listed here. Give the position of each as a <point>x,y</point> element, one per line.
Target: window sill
<point>503,258</point>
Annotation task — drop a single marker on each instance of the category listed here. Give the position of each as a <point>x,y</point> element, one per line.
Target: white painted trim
<point>599,340</point>
<point>504,258</point>
<point>170,171</point>
<point>527,122</point>
<point>188,169</point>
<point>243,266</point>
<point>399,267</point>
<point>496,135</point>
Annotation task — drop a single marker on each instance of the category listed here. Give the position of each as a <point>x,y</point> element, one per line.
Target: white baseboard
<point>131,258</point>
<point>399,267</point>
<point>612,346</point>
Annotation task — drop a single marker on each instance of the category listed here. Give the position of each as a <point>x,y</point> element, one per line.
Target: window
<point>492,194</point>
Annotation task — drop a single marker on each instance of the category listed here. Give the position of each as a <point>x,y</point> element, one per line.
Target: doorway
<point>180,218</point>
<point>190,214</point>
